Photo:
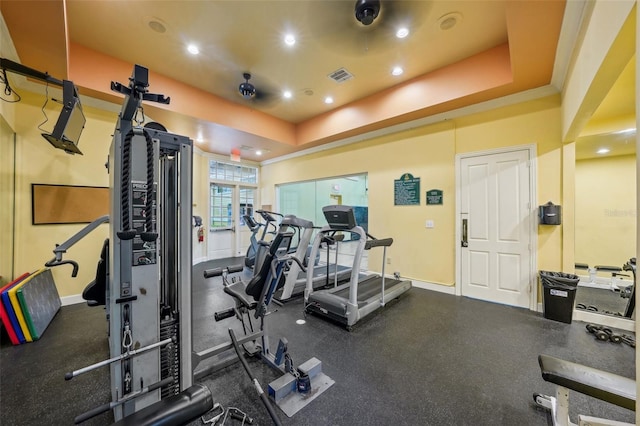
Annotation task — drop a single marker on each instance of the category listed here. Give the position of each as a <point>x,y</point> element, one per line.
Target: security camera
<point>367,11</point>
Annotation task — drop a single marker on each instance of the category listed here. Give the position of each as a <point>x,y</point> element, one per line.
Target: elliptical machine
<point>269,221</point>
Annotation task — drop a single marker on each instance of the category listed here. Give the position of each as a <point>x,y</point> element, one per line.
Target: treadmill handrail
<point>355,270</point>
<point>385,242</point>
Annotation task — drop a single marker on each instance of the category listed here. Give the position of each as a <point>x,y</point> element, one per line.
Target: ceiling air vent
<point>341,75</point>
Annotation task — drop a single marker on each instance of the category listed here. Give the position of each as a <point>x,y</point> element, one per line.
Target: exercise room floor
<point>426,359</point>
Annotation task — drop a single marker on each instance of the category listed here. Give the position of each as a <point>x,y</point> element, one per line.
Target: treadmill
<point>295,278</point>
<point>350,302</point>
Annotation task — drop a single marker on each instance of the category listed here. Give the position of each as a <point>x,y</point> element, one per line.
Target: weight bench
<point>589,381</point>
<point>175,410</point>
<point>584,266</point>
<point>615,271</point>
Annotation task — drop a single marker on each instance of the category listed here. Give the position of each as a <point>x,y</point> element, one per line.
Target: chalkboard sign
<point>434,197</point>
<point>407,190</point>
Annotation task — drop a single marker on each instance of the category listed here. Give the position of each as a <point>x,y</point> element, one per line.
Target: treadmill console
<point>340,217</point>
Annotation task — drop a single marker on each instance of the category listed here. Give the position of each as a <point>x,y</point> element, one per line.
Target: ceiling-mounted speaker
<point>367,11</point>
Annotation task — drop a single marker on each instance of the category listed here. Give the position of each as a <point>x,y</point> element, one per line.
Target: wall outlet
<point>388,261</point>
<point>429,224</point>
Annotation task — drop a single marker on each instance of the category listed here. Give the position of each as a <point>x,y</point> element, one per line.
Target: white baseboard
<point>199,260</point>
<point>434,287</point>
<point>72,300</point>
<point>441,288</point>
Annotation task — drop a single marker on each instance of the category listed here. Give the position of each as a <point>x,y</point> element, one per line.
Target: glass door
<point>221,222</point>
<point>230,237</point>
<point>246,203</point>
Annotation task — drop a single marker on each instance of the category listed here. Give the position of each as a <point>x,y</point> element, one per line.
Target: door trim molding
<point>533,231</point>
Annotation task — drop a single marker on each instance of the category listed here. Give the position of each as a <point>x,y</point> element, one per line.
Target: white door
<point>222,236</point>
<point>495,215</point>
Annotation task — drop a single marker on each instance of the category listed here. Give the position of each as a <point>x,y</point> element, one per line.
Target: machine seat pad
<point>605,268</point>
<point>95,293</point>
<point>582,266</point>
<point>179,409</point>
<point>599,384</point>
<point>238,291</point>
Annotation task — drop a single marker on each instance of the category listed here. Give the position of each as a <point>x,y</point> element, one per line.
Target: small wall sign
<point>407,191</point>
<point>434,197</point>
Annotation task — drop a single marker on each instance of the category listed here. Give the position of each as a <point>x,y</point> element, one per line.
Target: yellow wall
<point>605,210</point>
<point>429,153</point>
<point>6,201</point>
<point>200,201</point>
<point>38,162</point>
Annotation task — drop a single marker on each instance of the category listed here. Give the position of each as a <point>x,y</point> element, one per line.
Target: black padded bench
<point>589,381</point>
<point>611,269</point>
<point>175,410</point>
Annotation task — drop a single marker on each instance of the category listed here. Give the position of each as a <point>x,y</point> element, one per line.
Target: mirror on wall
<point>605,221</point>
<point>605,201</point>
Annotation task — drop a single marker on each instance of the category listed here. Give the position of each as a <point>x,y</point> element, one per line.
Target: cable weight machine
<point>144,273</point>
<point>149,293</point>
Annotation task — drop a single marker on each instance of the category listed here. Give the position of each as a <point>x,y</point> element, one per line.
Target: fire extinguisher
<point>201,234</point>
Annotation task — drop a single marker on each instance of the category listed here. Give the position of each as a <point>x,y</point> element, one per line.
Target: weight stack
<point>170,357</point>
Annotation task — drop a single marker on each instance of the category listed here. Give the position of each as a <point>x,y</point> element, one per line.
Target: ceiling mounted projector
<point>367,11</point>
<point>246,89</point>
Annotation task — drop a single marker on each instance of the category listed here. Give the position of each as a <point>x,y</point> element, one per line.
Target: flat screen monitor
<point>68,128</point>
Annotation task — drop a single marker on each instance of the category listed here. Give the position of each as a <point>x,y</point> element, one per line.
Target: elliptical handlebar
<point>287,258</point>
<point>268,216</point>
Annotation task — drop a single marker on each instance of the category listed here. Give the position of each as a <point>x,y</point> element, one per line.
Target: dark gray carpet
<point>428,358</point>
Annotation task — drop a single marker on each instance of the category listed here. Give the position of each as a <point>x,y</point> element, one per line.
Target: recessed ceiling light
<point>289,39</point>
<point>328,100</point>
<point>287,94</point>
<point>397,71</point>
<point>602,151</point>
<point>300,322</point>
<point>258,152</point>
<point>193,49</point>
<point>402,32</point>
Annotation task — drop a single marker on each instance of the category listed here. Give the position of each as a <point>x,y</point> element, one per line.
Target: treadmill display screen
<point>340,217</point>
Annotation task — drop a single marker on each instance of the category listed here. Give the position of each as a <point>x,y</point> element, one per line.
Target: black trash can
<point>559,294</point>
